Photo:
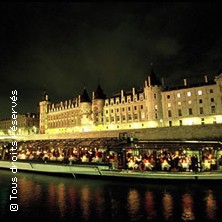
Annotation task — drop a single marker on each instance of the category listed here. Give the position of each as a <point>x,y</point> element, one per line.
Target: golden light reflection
<point>25,189</point>
<point>61,199</point>
<point>52,196</point>
<point>72,193</point>
<point>99,202</point>
<point>187,207</point>
<point>150,205</point>
<point>133,202</point>
<point>167,202</point>
<point>211,206</point>
<point>85,202</point>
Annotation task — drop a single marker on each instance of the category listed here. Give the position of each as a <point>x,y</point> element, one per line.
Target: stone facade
<point>154,106</point>
<point>27,124</point>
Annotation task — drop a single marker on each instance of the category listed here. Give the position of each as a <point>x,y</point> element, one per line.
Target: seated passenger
<point>147,164</point>
<point>72,158</point>
<point>60,158</point>
<point>165,165</point>
<point>84,158</point>
<point>132,165</point>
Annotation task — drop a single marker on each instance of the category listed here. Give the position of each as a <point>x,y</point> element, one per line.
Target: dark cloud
<point>65,46</point>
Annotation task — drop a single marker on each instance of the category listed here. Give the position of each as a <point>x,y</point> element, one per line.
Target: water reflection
<point>133,203</point>
<point>61,199</point>
<point>67,199</point>
<point>150,205</point>
<point>85,202</point>
<point>187,207</point>
<point>167,202</point>
<point>211,206</point>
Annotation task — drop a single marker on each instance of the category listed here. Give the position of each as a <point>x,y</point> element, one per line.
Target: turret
<point>97,105</point>
<point>85,108</point>
<point>153,88</point>
<point>43,112</point>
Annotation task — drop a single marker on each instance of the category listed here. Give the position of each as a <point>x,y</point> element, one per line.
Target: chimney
<point>162,81</point>
<point>122,93</point>
<point>133,91</point>
<point>149,81</point>
<point>93,95</point>
<point>205,79</point>
<point>185,82</point>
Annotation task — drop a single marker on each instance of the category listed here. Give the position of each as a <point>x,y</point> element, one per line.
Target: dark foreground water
<point>50,198</point>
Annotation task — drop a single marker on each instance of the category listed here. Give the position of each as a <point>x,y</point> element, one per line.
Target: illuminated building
<point>152,106</point>
<point>26,124</point>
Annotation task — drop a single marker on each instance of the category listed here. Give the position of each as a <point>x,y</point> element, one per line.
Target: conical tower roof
<point>84,97</point>
<point>99,94</point>
<point>154,80</point>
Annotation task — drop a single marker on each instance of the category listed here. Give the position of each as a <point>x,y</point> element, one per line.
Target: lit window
<point>156,107</point>
<point>178,95</point>
<point>200,92</point>
<point>142,115</point>
<point>169,105</point>
<point>188,93</point>
<point>179,103</point>
<point>189,102</point>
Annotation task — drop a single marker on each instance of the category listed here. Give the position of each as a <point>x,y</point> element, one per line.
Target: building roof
<point>154,80</point>
<point>84,97</point>
<point>99,93</point>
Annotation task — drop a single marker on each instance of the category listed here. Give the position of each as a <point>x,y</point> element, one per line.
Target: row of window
<point>128,100</point>
<point>190,102</point>
<point>190,111</point>
<point>181,122</point>
<point>199,93</point>
<point>124,109</point>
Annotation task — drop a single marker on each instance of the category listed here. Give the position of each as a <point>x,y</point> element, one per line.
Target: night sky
<point>62,47</point>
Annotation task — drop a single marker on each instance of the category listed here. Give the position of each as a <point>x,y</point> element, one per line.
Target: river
<point>52,198</point>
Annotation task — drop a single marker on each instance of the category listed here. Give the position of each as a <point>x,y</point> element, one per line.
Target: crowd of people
<point>165,160</point>
<point>135,159</point>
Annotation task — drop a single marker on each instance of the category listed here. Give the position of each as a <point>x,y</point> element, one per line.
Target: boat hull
<point>105,172</point>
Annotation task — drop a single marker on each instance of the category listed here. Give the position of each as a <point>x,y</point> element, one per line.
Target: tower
<point>98,101</point>
<point>85,110</point>
<point>153,103</point>
<point>43,111</point>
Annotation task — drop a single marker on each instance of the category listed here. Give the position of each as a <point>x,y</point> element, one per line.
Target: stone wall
<point>197,132</point>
